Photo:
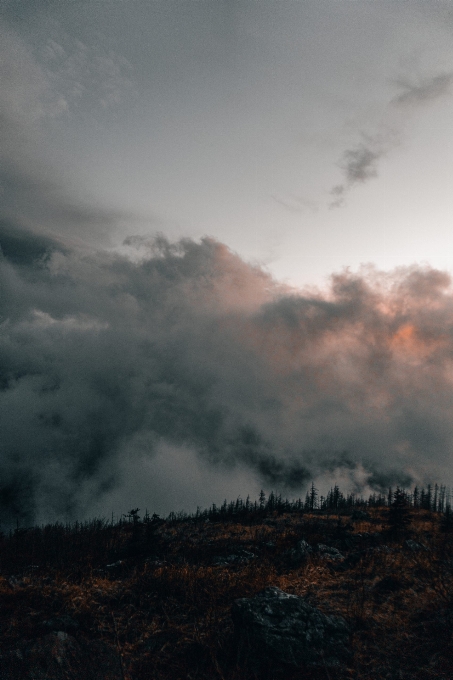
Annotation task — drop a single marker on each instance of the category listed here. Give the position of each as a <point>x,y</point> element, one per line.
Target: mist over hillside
<point>111,362</point>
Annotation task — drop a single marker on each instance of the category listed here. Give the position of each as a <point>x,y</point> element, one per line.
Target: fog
<point>176,374</point>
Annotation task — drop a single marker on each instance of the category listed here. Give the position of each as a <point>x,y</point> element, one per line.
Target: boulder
<point>383,549</point>
<point>300,552</point>
<point>329,552</point>
<point>282,630</point>
<point>413,546</point>
<point>115,565</point>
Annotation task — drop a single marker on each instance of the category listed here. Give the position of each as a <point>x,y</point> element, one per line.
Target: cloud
<point>106,359</point>
<point>54,80</point>
<point>86,73</point>
<point>426,90</point>
<point>360,163</point>
<point>33,93</point>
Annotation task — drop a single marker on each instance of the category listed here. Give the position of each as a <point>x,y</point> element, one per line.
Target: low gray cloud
<point>104,358</point>
<point>360,163</point>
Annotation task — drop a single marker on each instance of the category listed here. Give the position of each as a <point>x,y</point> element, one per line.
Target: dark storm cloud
<point>28,198</point>
<point>360,163</point>
<point>191,346</point>
<point>21,247</point>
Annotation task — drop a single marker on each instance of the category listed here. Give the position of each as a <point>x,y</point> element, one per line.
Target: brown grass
<point>166,608</point>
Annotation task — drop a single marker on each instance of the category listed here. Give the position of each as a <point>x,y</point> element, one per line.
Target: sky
<point>226,250</point>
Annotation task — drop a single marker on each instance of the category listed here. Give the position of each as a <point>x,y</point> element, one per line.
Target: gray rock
<point>285,630</point>
<point>329,552</point>
<point>155,563</point>
<point>15,583</point>
<point>414,546</point>
<point>246,554</point>
<point>300,552</point>
<point>383,549</point>
<point>115,565</point>
<point>220,562</point>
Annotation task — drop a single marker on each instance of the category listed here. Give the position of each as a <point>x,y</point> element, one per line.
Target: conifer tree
<point>313,497</point>
<point>398,518</point>
<point>446,523</point>
<point>423,499</point>
<point>436,494</point>
<point>271,501</point>
<point>429,497</point>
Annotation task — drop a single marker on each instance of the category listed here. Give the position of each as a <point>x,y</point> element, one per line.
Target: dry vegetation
<point>151,591</point>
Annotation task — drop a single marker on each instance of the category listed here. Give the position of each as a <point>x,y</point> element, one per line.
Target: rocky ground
<point>198,600</point>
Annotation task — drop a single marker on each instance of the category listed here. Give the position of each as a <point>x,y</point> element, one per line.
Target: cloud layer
<point>34,94</point>
<point>187,345</point>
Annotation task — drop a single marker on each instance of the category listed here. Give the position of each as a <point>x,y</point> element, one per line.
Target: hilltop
<point>152,598</point>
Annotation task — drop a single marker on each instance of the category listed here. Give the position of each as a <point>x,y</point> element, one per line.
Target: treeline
<point>434,498</point>
<point>96,542</point>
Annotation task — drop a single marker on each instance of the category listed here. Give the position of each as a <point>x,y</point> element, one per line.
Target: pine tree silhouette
<point>313,497</point>
<point>446,523</point>
<point>398,518</point>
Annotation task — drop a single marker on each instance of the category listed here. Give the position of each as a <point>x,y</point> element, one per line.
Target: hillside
<point>148,598</point>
